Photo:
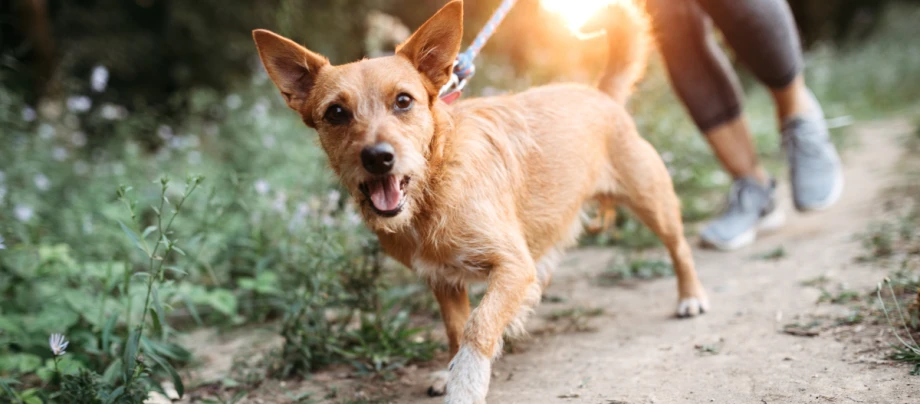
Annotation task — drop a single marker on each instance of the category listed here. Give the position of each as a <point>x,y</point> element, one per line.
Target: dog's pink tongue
<point>385,194</point>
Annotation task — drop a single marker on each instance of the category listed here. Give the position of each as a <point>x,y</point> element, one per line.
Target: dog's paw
<point>468,381</point>
<point>438,386</point>
<point>692,306</point>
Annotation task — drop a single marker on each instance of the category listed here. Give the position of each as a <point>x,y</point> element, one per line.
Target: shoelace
<point>797,141</point>
<point>741,193</point>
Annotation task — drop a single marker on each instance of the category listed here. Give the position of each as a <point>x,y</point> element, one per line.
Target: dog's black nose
<point>378,159</point>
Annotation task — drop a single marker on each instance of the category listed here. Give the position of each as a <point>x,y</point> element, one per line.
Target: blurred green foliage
<point>156,51</point>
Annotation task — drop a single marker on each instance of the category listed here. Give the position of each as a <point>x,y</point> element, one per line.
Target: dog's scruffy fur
<point>486,189</point>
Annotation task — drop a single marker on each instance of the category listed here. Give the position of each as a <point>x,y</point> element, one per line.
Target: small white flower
<point>194,157</point>
<point>261,186</point>
<point>23,213</point>
<point>59,153</point>
<point>28,114</point>
<point>113,112</point>
<point>260,77</point>
<point>164,132</point>
<point>78,139</point>
<point>58,344</point>
<point>300,214</point>
<point>667,156</point>
<point>719,178</point>
<point>45,131</point>
<point>41,182</point>
<point>233,101</point>
<point>164,155</point>
<point>302,209</point>
<point>2,187</point>
<point>351,215</point>
<point>211,130</point>
<point>260,109</point>
<point>192,141</point>
<point>81,167</point>
<point>280,202</point>
<point>87,224</point>
<point>268,141</point>
<point>99,79</point>
<point>79,103</point>
<point>333,198</point>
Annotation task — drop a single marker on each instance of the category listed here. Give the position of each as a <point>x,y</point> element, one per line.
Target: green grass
<point>772,255</point>
<point>642,269</point>
<point>839,297</point>
<point>576,318</point>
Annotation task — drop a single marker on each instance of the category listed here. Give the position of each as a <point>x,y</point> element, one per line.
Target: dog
<point>485,189</point>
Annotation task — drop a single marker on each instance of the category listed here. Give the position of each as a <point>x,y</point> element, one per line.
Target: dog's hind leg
<point>606,215</point>
<point>646,189</point>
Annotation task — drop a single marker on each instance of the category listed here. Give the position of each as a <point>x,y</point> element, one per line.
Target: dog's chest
<point>453,265</point>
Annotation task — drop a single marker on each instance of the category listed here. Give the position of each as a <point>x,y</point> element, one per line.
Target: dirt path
<point>639,354</point>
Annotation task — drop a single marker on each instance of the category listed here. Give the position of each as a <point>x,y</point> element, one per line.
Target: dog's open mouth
<point>387,195</point>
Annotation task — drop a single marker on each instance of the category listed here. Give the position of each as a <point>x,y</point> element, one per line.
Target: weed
<point>816,282</point>
<point>709,349</point>
<point>879,242</point>
<point>907,350</point>
<point>855,317</point>
<point>841,297</point>
<point>635,269</point>
<point>774,254</point>
<point>810,329</point>
<point>576,318</point>
<point>349,320</point>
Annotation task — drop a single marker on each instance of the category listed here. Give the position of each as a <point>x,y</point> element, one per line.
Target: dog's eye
<point>403,102</point>
<point>337,115</point>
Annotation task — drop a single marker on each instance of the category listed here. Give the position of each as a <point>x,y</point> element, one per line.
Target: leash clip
<point>451,90</point>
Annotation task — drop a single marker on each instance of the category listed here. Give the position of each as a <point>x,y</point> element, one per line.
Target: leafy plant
<point>907,350</point>
<point>636,269</point>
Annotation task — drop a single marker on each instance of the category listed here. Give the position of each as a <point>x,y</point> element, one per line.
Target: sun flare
<point>575,13</point>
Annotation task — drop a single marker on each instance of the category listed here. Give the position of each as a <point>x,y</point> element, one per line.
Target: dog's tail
<point>629,40</point>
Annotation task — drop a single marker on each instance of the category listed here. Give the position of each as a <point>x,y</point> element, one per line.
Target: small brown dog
<point>486,189</point>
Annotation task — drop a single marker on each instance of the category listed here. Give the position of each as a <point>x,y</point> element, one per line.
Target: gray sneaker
<point>751,208</point>
<point>815,171</point>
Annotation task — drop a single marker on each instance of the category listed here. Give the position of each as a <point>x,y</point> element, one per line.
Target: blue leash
<point>464,68</point>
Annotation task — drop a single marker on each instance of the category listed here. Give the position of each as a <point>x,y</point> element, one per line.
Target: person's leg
<point>763,35</point>
<point>708,87</point>
<point>733,145</point>
<point>703,79</point>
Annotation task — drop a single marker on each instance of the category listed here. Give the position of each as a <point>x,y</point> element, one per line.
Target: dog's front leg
<point>470,369</point>
<point>455,311</point>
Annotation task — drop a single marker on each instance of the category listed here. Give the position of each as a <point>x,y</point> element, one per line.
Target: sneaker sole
<point>836,193</point>
<point>770,222</point>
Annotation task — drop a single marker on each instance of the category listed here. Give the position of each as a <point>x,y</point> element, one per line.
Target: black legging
<point>761,32</point>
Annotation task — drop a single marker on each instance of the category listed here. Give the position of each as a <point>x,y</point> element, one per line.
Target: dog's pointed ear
<point>291,67</point>
<point>433,48</point>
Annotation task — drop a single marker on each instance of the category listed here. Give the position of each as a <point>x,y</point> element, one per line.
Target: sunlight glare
<point>575,13</point>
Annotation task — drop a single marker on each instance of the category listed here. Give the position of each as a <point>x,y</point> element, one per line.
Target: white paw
<point>692,306</point>
<point>468,381</point>
<point>438,384</point>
